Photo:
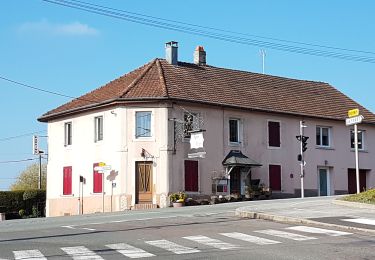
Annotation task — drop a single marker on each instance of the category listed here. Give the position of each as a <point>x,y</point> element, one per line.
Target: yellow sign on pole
<point>353,112</point>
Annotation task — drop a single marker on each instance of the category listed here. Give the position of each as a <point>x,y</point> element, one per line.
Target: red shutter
<point>67,180</point>
<point>98,180</point>
<point>191,175</point>
<point>275,177</point>
<point>274,134</point>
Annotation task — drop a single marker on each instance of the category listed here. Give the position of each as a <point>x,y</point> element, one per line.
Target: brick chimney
<point>171,54</point>
<point>199,56</point>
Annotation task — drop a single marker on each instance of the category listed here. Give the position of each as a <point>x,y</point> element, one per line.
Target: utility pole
<point>303,143</point>
<point>38,152</point>
<point>263,54</point>
<point>40,171</point>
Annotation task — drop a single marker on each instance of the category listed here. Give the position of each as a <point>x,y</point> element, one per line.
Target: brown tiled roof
<point>218,86</point>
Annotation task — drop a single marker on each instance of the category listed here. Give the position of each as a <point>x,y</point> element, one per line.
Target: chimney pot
<point>171,53</point>
<point>200,56</point>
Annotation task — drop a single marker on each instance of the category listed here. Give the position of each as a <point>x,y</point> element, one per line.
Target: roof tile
<point>219,86</point>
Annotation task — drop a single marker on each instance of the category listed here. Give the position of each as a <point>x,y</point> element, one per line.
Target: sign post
<point>354,119</point>
<point>102,168</point>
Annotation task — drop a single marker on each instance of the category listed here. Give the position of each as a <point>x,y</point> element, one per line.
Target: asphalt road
<point>211,232</point>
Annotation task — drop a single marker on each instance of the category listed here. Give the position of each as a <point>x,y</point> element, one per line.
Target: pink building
<point>140,125</point>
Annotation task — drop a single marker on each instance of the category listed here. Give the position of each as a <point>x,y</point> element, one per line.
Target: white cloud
<point>68,29</point>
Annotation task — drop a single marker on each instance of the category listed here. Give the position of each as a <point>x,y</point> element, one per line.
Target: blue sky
<point>72,52</point>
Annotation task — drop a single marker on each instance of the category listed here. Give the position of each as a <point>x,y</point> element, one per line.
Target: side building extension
<point>140,126</point>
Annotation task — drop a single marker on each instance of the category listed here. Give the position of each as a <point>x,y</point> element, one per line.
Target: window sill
<point>67,195</point>
<point>234,144</point>
<point>144,139</point>
<point>274,147</point>
<point>97,194</point>
<point>324,147</point>
<point>359,150</point>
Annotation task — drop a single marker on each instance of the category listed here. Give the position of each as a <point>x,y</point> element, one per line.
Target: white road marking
<point>81,253</point>
<point>90,229</point>
<point>28,255</point>
<point>249,238</point>
<point>172,247</point>
<point>314,230</point>
<point>129,251</point>
<point>71,227</point>
<point>365,221</point>
<point>212,242</point>
<point>283,234</point>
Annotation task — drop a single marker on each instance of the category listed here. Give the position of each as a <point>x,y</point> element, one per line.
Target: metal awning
<point>237,158</point>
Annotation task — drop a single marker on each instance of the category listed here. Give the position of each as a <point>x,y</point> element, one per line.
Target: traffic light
<point>299,157</point>
<point>303,139</point>
<point>304,143</point>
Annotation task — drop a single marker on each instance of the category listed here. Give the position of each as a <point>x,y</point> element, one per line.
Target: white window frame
<point>239,139</point>
<point>321,137</point>
<point>97,135</point>
<point>362,133</point>
<point>68,133</point>
<point>151,136</point>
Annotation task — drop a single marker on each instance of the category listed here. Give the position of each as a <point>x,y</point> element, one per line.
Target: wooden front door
<point>235,181</point>
<point>352,181</point>
<point>143,185</point>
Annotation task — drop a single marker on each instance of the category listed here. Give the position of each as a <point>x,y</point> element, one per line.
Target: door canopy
<point>237,158</point>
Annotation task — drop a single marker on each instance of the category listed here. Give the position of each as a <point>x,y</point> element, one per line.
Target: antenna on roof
<point>263,54</point>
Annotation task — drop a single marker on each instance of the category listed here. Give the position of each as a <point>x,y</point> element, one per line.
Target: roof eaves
<point>115,101</point>
<point>267,110</point>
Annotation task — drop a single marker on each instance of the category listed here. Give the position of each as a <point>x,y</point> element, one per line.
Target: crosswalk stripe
<point>172,247</point>
<point>283,234</point>
<point>28,255</point>
<point>365,221</point>
<point>314,230</point>
<point>81,253</point>
<point>249,238</point>
<point>130,251</point>
<point>212,242</point>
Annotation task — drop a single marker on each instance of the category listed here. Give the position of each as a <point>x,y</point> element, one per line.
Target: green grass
<point>363,197</point>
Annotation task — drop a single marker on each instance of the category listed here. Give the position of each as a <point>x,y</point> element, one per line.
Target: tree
<point>28,178</point>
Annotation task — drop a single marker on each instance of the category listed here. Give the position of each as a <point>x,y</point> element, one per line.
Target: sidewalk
<point>322,211</point>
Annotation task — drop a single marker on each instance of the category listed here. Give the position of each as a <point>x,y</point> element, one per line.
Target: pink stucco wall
<point>122,150</point>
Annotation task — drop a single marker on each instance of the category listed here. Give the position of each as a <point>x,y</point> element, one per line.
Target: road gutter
<point>243,213</point>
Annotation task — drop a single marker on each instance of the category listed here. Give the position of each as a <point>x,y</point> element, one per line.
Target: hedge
<point>13,201</point>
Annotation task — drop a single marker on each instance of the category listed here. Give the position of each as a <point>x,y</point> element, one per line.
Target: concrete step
<point>144,206</point>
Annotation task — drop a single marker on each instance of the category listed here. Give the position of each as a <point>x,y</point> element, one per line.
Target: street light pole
<point>301,126</point>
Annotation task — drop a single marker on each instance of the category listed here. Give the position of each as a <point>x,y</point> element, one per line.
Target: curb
<point>243,213</point>
<point>353,204</point>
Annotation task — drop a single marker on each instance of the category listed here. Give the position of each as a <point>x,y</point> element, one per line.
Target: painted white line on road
<point>130,251</point>
<point>314,230</point>
<point>172,247</point>
<point>28,255</point>
<point>249,238</point>
<point>142,219</point>
<point>212,242</point>
<point>90,229</point>
<point>71,227</point>
<point>81,253</point>
<point>283,234</point>
<point>365,221</point>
